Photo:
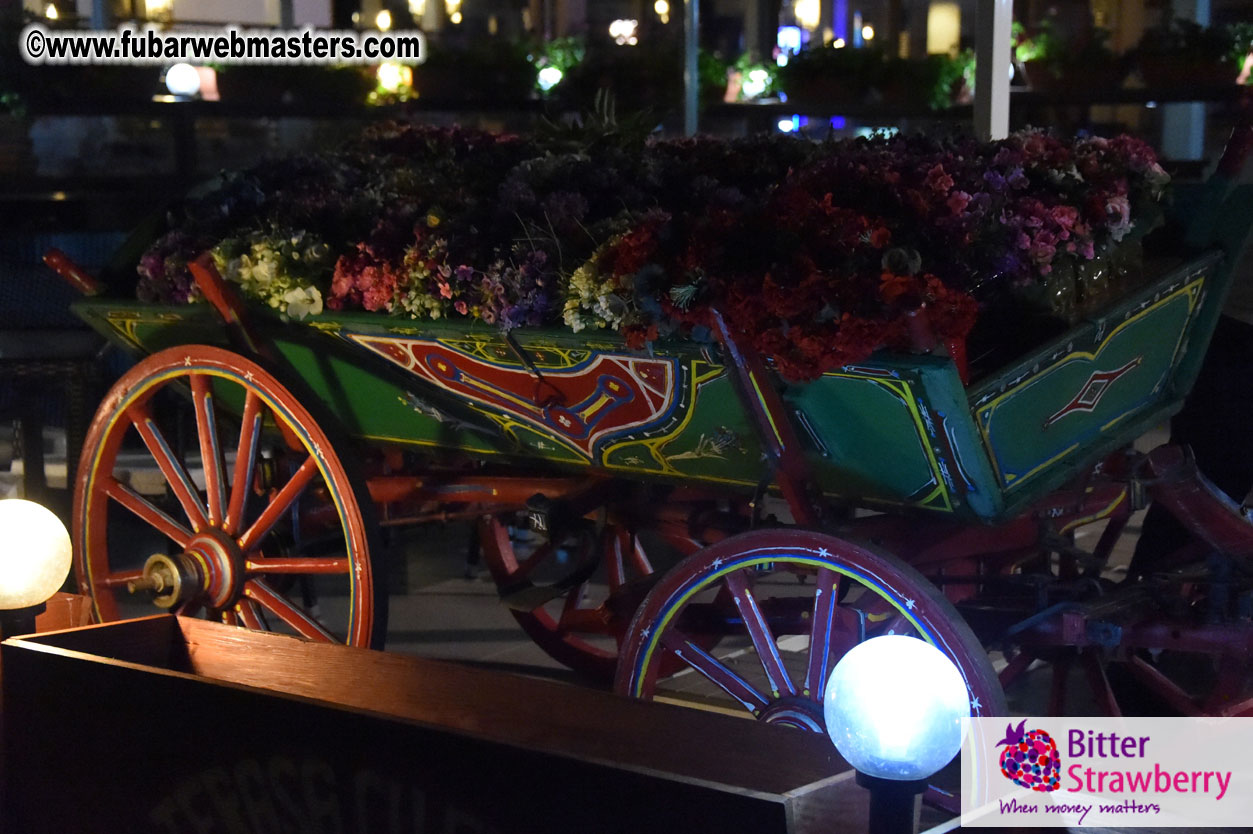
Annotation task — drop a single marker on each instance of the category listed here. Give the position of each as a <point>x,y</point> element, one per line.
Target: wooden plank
<point>514,709</point>
<point>274,734</point>
<point>151,641</point>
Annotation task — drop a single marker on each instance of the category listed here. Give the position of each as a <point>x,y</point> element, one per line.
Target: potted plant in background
<point>554,59</point>
<point>1050,60</point>
<point>832,75</point>
<point>931,83</point>
<point>1184,54</point>
<point>751,80</point>
<point>1241,52</point>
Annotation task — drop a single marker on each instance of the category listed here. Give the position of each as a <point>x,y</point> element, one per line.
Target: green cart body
<point>895,432</point>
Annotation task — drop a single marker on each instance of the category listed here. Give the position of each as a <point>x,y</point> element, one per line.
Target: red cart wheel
<point>272,537</point>
<point>788,604</point>
<point>580,622</point>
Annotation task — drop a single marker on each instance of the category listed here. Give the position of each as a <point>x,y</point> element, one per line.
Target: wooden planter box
<point>172,725</point>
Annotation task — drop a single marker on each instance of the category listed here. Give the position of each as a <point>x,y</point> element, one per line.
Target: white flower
<point>303,301</point>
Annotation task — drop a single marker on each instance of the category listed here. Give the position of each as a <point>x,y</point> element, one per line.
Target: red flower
<point>892,287</point>
<point>638,335</point>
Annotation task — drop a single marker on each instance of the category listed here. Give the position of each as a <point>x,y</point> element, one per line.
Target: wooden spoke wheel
<point>573,598</point>
<point>256,523</point>
<point>787,604</point>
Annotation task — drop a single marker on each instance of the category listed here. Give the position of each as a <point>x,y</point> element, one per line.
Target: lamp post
<point>897,709</point>
<point>34,559</point>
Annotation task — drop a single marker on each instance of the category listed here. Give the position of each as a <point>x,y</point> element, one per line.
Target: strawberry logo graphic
<point>1030,758</point>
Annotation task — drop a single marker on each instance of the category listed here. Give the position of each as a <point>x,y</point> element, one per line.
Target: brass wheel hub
<point>210,570</point>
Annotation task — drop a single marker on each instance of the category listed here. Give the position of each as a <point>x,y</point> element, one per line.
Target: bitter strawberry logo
<point>1030,758</point>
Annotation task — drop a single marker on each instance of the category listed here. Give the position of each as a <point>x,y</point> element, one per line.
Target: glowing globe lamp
<point>34,559</point>
<point>897,709</point>
<point>182,80</point>
<point>549,77</point>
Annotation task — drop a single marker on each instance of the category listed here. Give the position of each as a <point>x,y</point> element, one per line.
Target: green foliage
<point>1241,35</point>
<point>597,128</point>
<point>711,70</point>
<point>765,73</point>
<point>562,53</point>
<point>11,104</point>
<point>1040,44</point>
<point>1045,45</point>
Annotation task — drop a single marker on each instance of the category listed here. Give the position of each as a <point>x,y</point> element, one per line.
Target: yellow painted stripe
<point>766,410</point>
<point>1104,512</point>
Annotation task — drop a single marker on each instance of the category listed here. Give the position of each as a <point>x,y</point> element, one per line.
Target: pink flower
<point>939,181</point>
<point>377,297</point>
<point>957,201</point>
<point>1064,216</point>
<point>342,281</point>
<point>461,307</point>
<point>1043,247</point>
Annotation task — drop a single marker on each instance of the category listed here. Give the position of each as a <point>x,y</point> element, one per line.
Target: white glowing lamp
<point>549,77</point>
<point>755,83</point>
<point>182,80</point>
<point>896,708</point>
<point>393,76</point>
<point>35,556</point>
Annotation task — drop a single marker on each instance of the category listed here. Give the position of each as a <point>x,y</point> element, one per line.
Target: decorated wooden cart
<point>648,514</point>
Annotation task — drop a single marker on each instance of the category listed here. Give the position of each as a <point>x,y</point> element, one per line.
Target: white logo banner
<point>1118,772</point>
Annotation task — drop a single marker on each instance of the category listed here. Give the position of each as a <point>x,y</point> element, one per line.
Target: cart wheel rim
<point>212,533</point>
<point>771,688</point>
<point>666,602</point>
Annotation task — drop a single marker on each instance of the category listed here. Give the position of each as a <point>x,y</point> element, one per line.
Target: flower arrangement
<point>817,254</point>
<point>280,269</point>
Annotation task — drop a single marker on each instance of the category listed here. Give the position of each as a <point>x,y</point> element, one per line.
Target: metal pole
<point>993,20</point>
<point>691,78</point>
